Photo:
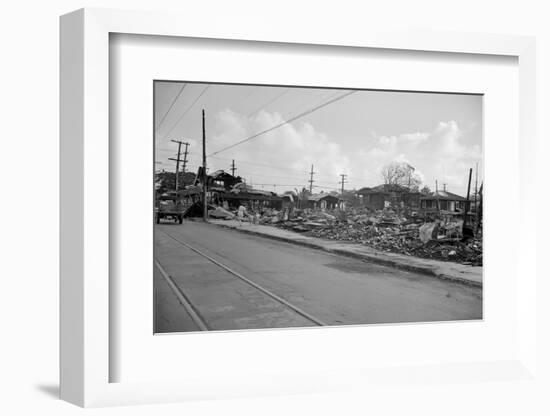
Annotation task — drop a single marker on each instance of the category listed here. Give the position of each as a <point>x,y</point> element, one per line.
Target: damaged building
<point>243,194</point>
<point>230,191</point>
<point>323,201</point>
<point>386,196</point>
<point>442,201</point>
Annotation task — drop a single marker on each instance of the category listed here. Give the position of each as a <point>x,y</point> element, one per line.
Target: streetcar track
<point>236,274</point>
<point>191,310</point>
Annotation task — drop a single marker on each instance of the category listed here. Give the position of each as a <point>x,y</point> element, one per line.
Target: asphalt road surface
<point>230,280</point>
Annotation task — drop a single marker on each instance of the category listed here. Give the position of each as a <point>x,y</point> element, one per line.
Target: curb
<point>364,257</point>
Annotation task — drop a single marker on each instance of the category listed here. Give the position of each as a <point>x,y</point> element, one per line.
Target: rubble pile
<point>385,231</point>
<point>221,213</point>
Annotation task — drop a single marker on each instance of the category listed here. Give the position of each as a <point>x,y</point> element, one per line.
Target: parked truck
<point>169,207</point>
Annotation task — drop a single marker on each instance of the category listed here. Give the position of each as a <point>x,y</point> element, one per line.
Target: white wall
<point>29,223</point>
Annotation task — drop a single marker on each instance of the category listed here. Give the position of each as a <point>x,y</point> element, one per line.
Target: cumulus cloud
<point>285,155</point>
<point>290,150</point>
<point>439,154</point>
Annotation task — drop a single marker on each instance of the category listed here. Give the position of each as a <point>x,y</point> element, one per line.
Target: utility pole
<point>233,168</point>
<point>467,205</point>
<point>185,157</point>
<point>475,203</point>
<point>311,180</point>
<point>437,197</point>
<point>204,176</point>
<point>343,181</point>
<point>179,159</point>
<point>480,216</point>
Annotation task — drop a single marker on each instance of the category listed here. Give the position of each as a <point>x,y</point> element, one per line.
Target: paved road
<point>335,290</point>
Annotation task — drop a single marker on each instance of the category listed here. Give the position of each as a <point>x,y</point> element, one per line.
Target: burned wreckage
<point>437,225</point>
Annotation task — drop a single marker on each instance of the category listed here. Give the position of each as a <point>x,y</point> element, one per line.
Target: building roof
<point>319,197</point>
<point>251,196</point>
<point>242,187</point>
<point>443,196</point>
<point>384,188</point>
<point>219,174</point>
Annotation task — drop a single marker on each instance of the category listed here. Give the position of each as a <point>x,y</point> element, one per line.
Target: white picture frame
<point>85,182</point>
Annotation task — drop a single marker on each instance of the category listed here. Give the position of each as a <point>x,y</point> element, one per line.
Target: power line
<point>171,105</point>
<point>188,109</point>
<point>326,187</point>
<point>285,122</point>
<point>260,164</point>
<point>278,184</point>
<point>268,103</point>
<point>278,167</point>
<point>301,172</point>
<point>269,175</point>
<point>254,89</point>
<point>334,188</point>
<point>319,100</point>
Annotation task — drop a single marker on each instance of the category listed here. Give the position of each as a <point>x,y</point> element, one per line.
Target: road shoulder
<point>472,275</point>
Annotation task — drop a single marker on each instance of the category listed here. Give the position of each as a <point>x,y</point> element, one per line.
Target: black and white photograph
<point>292,207</point>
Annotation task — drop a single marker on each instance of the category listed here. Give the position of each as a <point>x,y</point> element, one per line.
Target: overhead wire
<point>268,103</point>
<point>316,107</point>
<point>253,90</point>
<point>292,119</point>
<point>304,173</point>
<point>171,105</point>
<point>324,97</point>
<point>269,175</point>
<point>187,110</point>
<point>259,164</point>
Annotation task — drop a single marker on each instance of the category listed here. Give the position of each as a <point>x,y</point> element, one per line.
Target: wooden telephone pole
<point>233,168</point>
<point>437,197</point>
<point>475,203</point>
<point>343,181</point>
<point>311,180</point>
<point>179,159</point>
<point>204,176</point>
<point>467,205</point>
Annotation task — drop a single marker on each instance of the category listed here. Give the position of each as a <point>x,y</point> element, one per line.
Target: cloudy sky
<point>354,134</point>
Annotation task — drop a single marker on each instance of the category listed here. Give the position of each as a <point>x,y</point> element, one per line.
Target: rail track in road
<point>193,310</point>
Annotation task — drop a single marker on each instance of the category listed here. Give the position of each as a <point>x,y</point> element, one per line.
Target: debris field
<point>385,230</point>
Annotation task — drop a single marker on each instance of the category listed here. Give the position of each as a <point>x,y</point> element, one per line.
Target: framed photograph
<point>230,197</point>
<point>260,253</point>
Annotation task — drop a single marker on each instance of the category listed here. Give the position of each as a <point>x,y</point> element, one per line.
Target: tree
<point>425,190</point>
<point>167,180</point>
<point>302,197</point>
<point>401,174</point>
